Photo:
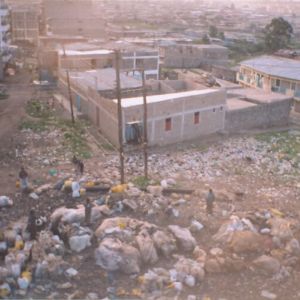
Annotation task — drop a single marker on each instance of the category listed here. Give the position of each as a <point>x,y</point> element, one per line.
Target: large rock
<point>146,247</point>
<point>246,241</point>
<point>267,264</point>
<point>184,237</point>
<point>113,255</point>
<point>164,243</point>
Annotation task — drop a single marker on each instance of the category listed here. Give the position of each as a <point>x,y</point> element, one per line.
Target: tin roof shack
<point>250,108</point>
<point>176,117</point>
<point>194,56</point>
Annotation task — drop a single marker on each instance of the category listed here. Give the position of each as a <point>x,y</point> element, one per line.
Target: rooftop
<point>256,95</point>
<point>236,104</point>
<point>276,66</point>
<point>104,79</point>
<point>129,102</point>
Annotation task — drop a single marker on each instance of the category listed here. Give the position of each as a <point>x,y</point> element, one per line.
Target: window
<point>196,118</point>
<point>293,86</point>
<point>278,82</point>
<point>168,124</point>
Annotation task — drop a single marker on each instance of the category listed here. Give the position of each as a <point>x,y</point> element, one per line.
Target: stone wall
<point>260,116</point>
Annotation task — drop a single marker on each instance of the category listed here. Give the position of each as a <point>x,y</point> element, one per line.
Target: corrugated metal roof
<point>276,66</point>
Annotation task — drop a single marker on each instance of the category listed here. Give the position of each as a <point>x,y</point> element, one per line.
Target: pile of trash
<point>126,244</point>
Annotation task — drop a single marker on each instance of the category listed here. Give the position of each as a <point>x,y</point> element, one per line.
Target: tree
<point>213,31</point>
<point>278,34</point>
<point>205,39</point>
<point>221,35</point>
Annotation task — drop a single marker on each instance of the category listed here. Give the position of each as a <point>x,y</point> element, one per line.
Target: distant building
<point>5,36</point>
<point>194,56</point>
<point>272,74</point>
<point>73,17</point>
<point>25,24</point>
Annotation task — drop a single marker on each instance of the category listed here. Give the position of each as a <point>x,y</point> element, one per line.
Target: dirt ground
<point>260,190</point>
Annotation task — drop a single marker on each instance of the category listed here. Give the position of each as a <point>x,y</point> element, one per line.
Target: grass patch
<point>34,125</point>
<point>141,182</point>
<point>38,109</point>
<point>285,144</point>
<point>74,138</point>
<point>107,147</point>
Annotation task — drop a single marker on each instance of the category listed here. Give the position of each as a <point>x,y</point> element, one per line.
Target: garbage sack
<point>113,255</point>
<point>246,241</point>
<point>121,188</point>
<point>3,273</point>
<point>108,224</point>
<point>79,243</point>
<point>280,228</point>
<point>5,290</point>
<point>267,264</point>
<point>146,247</point>
<point>184,237</point>
<point>164,243</point>
<point>188,267</point>
<point>75,189</point>
<point>69,215</point>
<point>5,202</point>
<point>225,232</point>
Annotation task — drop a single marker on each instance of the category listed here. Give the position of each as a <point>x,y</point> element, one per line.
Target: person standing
<point>88,211</point>
<point>23,176</point>
<point>210,199</point>
<point>31,224</point>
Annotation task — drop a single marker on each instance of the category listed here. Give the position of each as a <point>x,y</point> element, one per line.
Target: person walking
<point>23,176</point>
<point>88,211</point>
<point>210,199</point>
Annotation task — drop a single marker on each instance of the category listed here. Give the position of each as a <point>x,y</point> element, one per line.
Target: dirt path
<point>12,109</point>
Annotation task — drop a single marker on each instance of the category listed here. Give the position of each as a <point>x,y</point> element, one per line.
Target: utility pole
<point>145,119</point>
<point>120,121</point>
<point>69,89</point>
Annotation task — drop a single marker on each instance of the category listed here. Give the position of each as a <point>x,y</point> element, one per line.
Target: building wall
<point>100,111</point>
<point>25,25</point>
<point>191,56</point>
<point>210,106</point>
<point>260,116</point>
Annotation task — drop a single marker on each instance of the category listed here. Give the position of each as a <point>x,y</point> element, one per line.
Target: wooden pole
<point>145,119</point>
<point>69,89</point>
<point>70,97</point>
<point>120,121</point>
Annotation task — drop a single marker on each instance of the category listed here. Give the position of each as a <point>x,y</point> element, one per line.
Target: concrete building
<point>73,17</point>
<point>135,57</point>
<point>272,74</point>
<point>5,36</point>
<point>176,117</point>
<point>25,24</point>
<point>194,56</point>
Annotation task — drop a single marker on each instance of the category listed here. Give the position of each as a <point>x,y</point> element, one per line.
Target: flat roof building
<point>272,74</point>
